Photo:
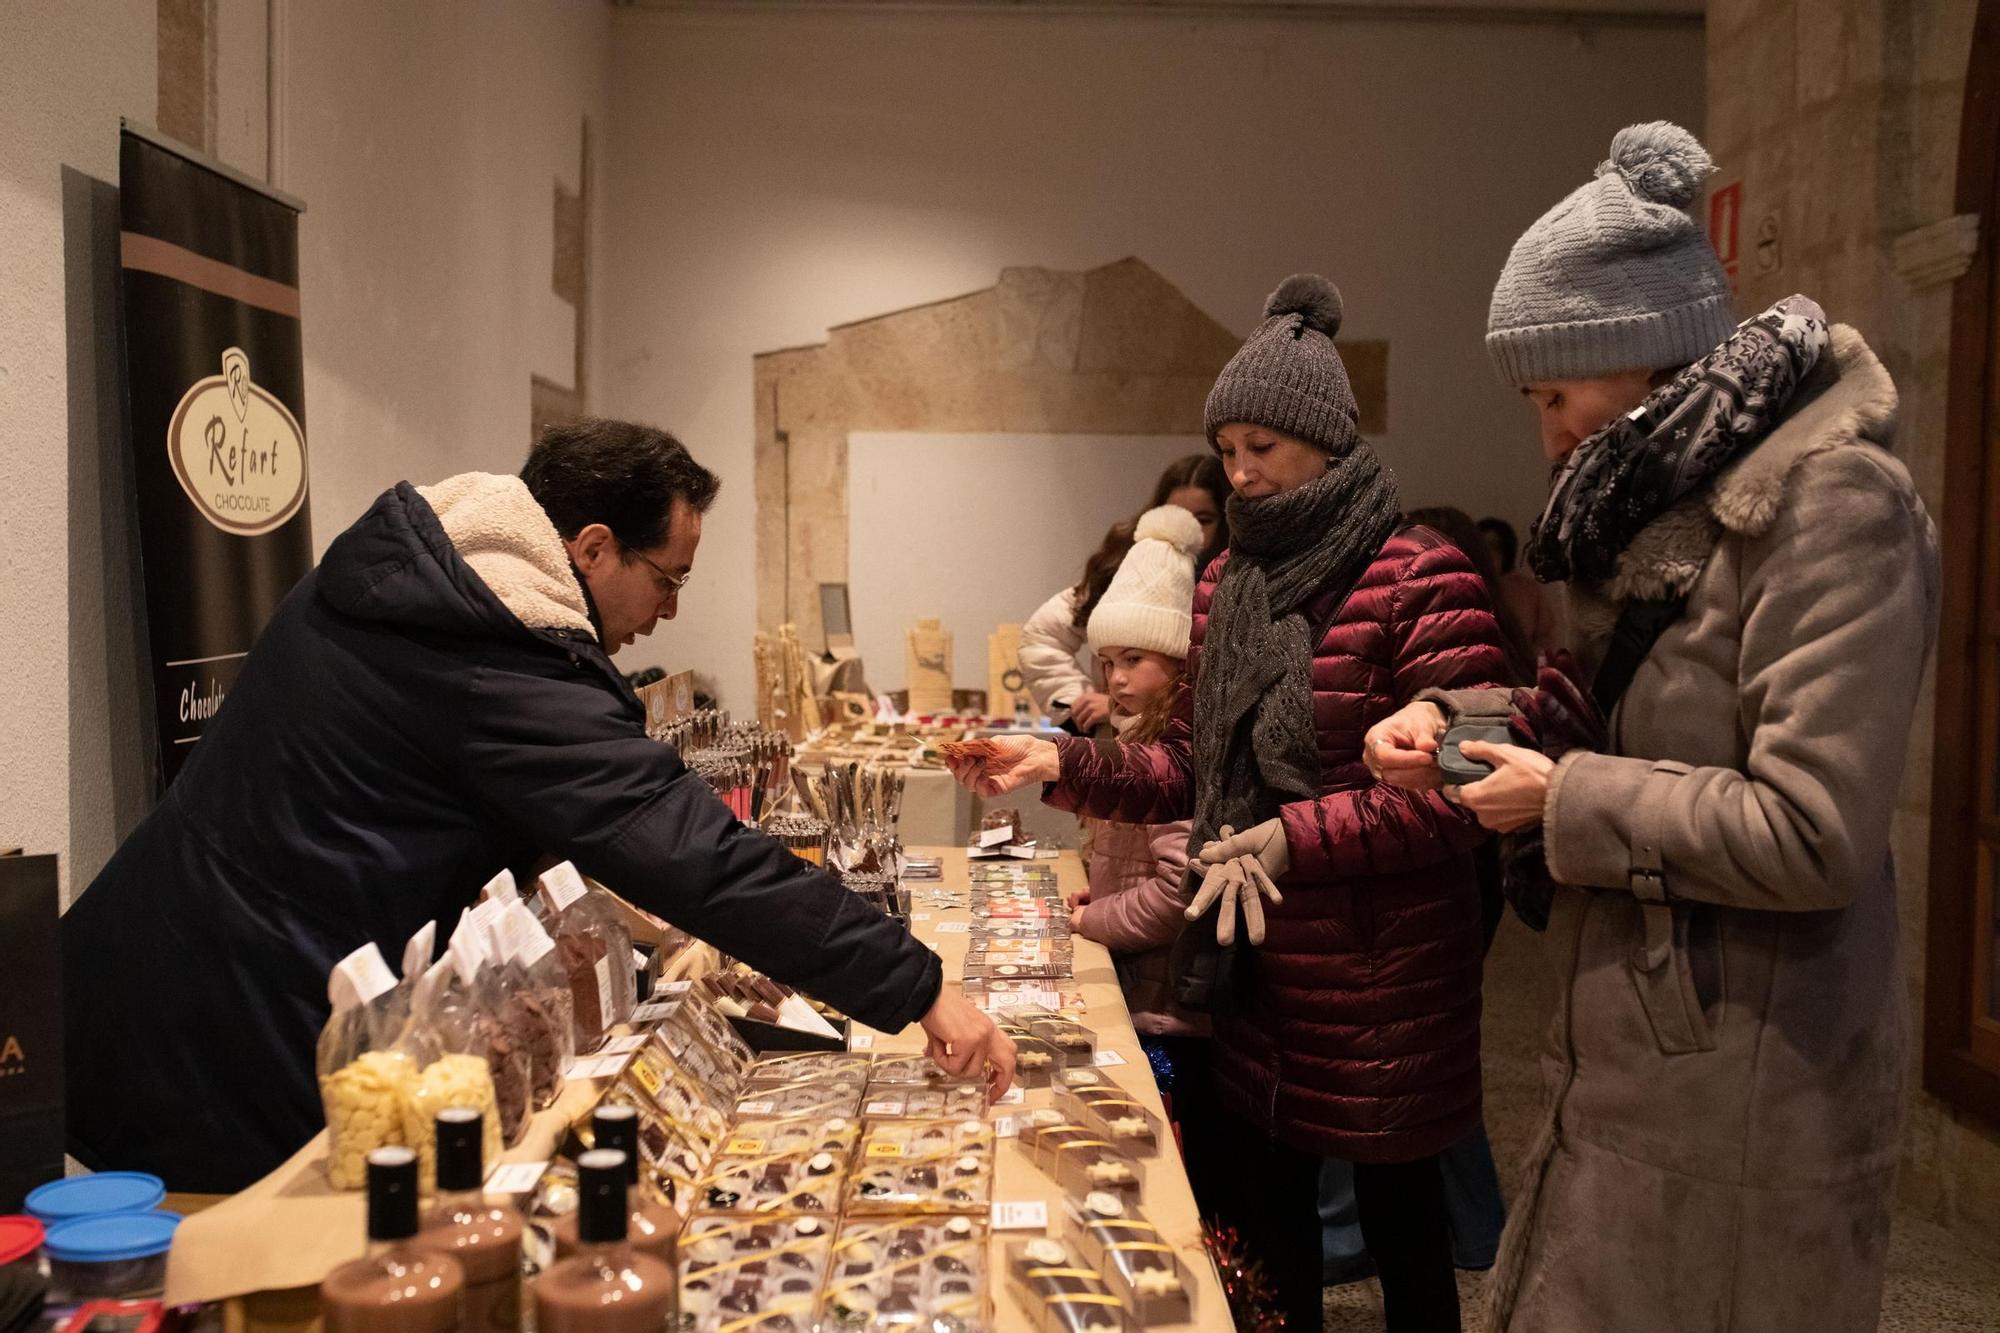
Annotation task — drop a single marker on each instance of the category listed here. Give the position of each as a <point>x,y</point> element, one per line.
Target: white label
<point>1020,1215</point>
<point>1107,1059</point>
<point>920,916</point>
<point>654,1012</point>
<point>500,889</point>
<point>418,950</point>
<point>996,837</point>
<point>604,990</point>
<point>798,1014</point>
<point>883,1108</point>
<point>953,927</point>
<point>527,942</point>
<point>562,886</point>
<point>1025,852</point>
<point>1013,1097</point>
<point>515,1177</point>
<point>358,978</point>
<point>624,1045</point>
<point>857,1040</point>
<point>756,1108</point>
<point>1046,853</point>
<point>673,988</point>
<point>639,961</point>
<point>1005,1127</point>
<point>600,1066</point>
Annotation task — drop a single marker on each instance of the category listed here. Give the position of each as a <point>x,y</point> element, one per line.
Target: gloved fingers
<point>1261,880</point>
<point>1225,920</point>
<point>1211,889</point>
<point>1253,907</point>
<point>1221,848</point>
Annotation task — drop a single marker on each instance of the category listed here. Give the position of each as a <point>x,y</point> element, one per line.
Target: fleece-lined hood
<point>473,552</point>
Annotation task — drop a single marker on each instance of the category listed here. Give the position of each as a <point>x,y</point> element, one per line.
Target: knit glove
<point>1240,870</point>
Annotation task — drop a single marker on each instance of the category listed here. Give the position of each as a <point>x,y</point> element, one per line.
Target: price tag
<point>624,1045</point>
<point>888,1108</point>
<point>857,1040</point>
<point>674,988</point>
<point>920,916</point>
<point>996,837</point>
<point>1005,1127</point>
<point>655,1011</point>
<point>602,1066</point>
<point>515,1177</point>
<point>879,1149</point>
<point>1020,1215</point>
<point>953,927</point>
<point>757,1108</point>
<point>1013,1097</point>
<point>1107,1059</point>
<point>743,1148</point>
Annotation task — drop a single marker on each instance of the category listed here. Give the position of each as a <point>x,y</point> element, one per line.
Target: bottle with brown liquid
<point>397,1288</point>
<point>606,1286</point>
<point>650,1228</point>
<point>484,1237</point>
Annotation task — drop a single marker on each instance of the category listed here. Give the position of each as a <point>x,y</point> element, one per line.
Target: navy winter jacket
<point>398,735</point>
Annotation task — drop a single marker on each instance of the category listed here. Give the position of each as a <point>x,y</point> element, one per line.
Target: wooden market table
<point>263,1251</point>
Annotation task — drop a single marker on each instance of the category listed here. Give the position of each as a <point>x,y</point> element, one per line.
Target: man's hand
<point>1089,709</point>
<point>1512,796</point>
<point>1402,748</point>
<point>965,1043</point>
<point>1013,762</point>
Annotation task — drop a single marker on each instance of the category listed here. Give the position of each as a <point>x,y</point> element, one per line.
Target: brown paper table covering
<point>290,1228</point>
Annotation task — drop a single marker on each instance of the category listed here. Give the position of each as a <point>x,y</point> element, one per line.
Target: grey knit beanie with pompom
<point>1287,375</point>
<point>1617,276</point>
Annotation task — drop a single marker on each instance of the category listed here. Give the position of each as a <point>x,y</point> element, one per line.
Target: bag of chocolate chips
<point>595,950</point>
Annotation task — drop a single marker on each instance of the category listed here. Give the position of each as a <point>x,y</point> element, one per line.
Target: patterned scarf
<point>1254,742</point>
<point>1628,474</point>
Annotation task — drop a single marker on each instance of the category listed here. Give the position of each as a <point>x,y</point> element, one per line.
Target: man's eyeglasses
<point>671,583</point>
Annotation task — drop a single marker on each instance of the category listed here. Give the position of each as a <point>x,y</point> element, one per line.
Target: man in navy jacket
<point>434,702</point>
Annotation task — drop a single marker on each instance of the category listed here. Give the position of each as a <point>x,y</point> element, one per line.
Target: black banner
<point>31,1052</point>
<point>215,373</point>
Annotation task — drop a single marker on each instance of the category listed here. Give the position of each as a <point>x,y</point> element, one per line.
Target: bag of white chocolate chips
<point>438,1043</point>
<point>361,1076</point>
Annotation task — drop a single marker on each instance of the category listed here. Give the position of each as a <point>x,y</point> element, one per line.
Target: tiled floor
<point>1936,1284</point>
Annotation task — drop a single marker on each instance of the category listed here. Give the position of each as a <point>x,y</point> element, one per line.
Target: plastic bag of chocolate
<point>362,1077</point>
<point>595,949</point>
<point>534,1009</point>
<point>472,1006</point>
<point>437,1041</point>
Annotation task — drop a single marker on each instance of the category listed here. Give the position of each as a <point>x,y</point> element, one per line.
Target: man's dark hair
<point>617,473</point>
<point>1501,531</point>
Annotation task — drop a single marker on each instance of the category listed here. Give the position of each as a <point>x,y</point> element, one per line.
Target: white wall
<point>778,173</point>
<point>425,140</point>
<point>981,564</point>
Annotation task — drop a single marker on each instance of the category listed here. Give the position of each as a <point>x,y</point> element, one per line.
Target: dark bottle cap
<point>461,1148</point>
<point>603,1196</point>
<point>617,1128</point>
<point>392,1194</point>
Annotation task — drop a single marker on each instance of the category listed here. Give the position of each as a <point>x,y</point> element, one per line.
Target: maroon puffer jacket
<point>1361,1037</point>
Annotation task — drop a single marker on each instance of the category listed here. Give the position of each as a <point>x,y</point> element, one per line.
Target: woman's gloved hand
<point>1240,871</point>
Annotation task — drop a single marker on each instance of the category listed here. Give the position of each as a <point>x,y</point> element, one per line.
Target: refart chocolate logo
<point>238,451</point>
<point>13,1060</point>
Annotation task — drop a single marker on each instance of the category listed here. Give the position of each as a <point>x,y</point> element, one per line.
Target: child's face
<point>1133,677</point>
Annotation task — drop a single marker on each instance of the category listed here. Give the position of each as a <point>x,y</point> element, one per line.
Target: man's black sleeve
<point>567,762</point>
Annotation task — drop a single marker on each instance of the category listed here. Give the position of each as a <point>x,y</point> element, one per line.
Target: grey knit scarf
<point>1254,743</point>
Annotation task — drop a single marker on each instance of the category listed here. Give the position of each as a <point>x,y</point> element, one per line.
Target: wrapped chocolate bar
<point>1039,926</point>
<point>1060,1294</point>
<point>914,1273</point>
<point>1077,1158</point>
<point>795,1134</point>
<point>755,1274</point>
<point>800,1182</point>
<point>1114,1114</point>
<point>362,1079</point>
<point>1005,996</point>
<point>1008,872</point>
<point>923,1166</point>
<point>838,1096</point>
<point>1111,1236</point>
<point>985,967</point>
<point>802,1065</point>
<point>594,946</point>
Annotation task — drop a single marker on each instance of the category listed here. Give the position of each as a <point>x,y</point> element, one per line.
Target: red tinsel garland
<point>1253,1301</point>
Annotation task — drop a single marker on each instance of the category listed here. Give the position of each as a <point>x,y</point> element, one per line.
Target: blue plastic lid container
<point>109,1256</point>
<point>86,1196</point>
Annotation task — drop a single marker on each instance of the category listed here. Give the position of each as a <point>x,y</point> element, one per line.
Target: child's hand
<point>1076,918</point>
<point>1078,897</point>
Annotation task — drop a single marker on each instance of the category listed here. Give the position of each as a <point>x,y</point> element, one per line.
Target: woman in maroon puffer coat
<point>1347,1013</point>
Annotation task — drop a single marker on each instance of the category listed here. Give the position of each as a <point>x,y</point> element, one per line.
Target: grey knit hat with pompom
<point>1287,375</point>
<point>1617,276</point>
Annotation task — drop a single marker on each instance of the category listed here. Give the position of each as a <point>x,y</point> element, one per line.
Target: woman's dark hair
<point>1203,470</point>
<point>618,473</point>
<point>1457,527</point>
<point>1501,531</point>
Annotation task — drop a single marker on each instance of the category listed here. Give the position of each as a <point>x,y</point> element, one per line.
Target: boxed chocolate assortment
<point>923,1166</point>
<point>918,1273</point>
<point>1077,1158</point>
<point>789,1182</point>
<point>806,1133</point>
<point>832,1096</point>
<point>807,1065</point>
<point>1112,1237</point>
<point>1061,1295</point>
<point>755,1274</point>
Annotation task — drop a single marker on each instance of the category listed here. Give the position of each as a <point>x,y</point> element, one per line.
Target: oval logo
<point>239,453</point>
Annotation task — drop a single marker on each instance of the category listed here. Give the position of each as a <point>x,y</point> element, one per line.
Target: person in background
<point>1456,526</point>
<point>1755,585</point>
<point>1536,609</point>
<point>1053,636</point>
<point>1337,946</point>
<point>1134,903</point>
<point>434,702</point>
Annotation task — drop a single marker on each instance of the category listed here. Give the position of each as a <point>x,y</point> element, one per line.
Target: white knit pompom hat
<point>1151,598</point>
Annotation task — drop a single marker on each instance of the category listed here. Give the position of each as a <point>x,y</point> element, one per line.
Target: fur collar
<point>1849,398</point>
<point>501,532</point>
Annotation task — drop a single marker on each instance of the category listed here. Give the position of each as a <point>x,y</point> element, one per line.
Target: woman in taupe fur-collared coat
<point>1725,1064</point>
